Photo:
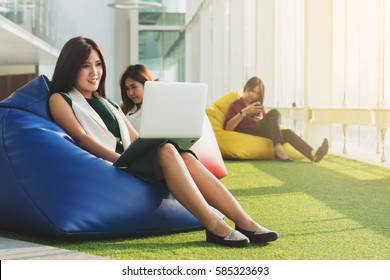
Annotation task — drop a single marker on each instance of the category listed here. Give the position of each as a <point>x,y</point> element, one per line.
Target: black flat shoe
<point>234,239</point>
<point>283,159</point>
<point>261,236</point>
<point>322,151</point>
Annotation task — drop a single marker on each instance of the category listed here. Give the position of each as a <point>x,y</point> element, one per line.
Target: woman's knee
<point>188,158</point>
<point>274,113</point>
<point>167,151</point>
<point>287,131</point>
<point>288,134</point>
<point>272,117</point>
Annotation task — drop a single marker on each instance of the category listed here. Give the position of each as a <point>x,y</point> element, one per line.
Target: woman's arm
<point>132,131</point>
<point>234,122</point>
<point>64,116</point>
<point>254,108</point>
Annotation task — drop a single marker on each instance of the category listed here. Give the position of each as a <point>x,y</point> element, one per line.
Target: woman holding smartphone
<point>248,115</point>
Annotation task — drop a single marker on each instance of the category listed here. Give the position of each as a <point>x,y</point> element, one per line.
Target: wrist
<point>242,114</point>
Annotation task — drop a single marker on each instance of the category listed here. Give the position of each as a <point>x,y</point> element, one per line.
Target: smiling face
<point>89,75</point>
<point>252,95</point>
<point>134,90</point>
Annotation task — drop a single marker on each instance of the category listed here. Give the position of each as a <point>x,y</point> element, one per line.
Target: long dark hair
<point>73,55</point>
<point>137,72</point>
<point>254,82</point>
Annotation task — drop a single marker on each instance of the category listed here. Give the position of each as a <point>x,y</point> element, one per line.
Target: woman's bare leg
<point>182,186</point>
<point>217,195</point>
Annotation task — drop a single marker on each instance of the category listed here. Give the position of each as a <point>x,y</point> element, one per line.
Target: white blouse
<point>135,118</point>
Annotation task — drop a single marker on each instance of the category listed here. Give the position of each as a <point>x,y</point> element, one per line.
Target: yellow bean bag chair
<point>236,145</point>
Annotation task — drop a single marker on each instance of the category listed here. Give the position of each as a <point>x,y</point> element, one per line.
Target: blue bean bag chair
<point>50,186</point>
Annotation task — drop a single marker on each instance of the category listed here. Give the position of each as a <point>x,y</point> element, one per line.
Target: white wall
<point>318,63</point>
<point>16,70</point>
<point>265,47</point>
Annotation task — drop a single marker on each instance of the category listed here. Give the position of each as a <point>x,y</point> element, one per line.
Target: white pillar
<point>237,46</point>
<point>121,46</point>
<point>134,37</point>
<point>318,64</point>
<point>265,46</point>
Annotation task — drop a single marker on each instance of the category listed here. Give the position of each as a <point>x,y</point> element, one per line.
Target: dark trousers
<point>269,127</point>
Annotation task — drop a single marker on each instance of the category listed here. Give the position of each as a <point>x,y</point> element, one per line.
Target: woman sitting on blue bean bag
<point>78,104</point>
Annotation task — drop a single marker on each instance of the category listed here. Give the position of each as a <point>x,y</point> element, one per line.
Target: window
<point>161,40</point>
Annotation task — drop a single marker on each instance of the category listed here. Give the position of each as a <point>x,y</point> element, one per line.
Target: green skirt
<point>145,166</point>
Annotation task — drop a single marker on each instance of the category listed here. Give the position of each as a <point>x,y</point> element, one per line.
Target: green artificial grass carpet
<point>337,209</point>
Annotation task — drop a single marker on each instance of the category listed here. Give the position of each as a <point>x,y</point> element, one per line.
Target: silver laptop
<point>170,111</point>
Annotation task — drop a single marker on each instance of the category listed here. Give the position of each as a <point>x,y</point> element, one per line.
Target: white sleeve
<point>135,119</point>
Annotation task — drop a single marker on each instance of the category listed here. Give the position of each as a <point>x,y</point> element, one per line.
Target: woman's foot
<point>233,239</point>
<point>261,235</point>
<point>321,151</point>
<point>287,159</point>
<point>280,154</point>
<point>218,231</point>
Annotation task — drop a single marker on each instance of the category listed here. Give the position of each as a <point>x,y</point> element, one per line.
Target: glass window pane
<point>163,53</point>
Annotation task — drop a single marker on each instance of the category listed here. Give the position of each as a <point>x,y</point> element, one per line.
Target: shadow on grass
<point>359,191</point>
<point>147,247</point>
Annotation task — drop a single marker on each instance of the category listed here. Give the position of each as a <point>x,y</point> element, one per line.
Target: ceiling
<point>19,47</point>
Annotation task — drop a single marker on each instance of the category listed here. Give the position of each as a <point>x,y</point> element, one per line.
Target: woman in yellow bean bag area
<point>244,130</point>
